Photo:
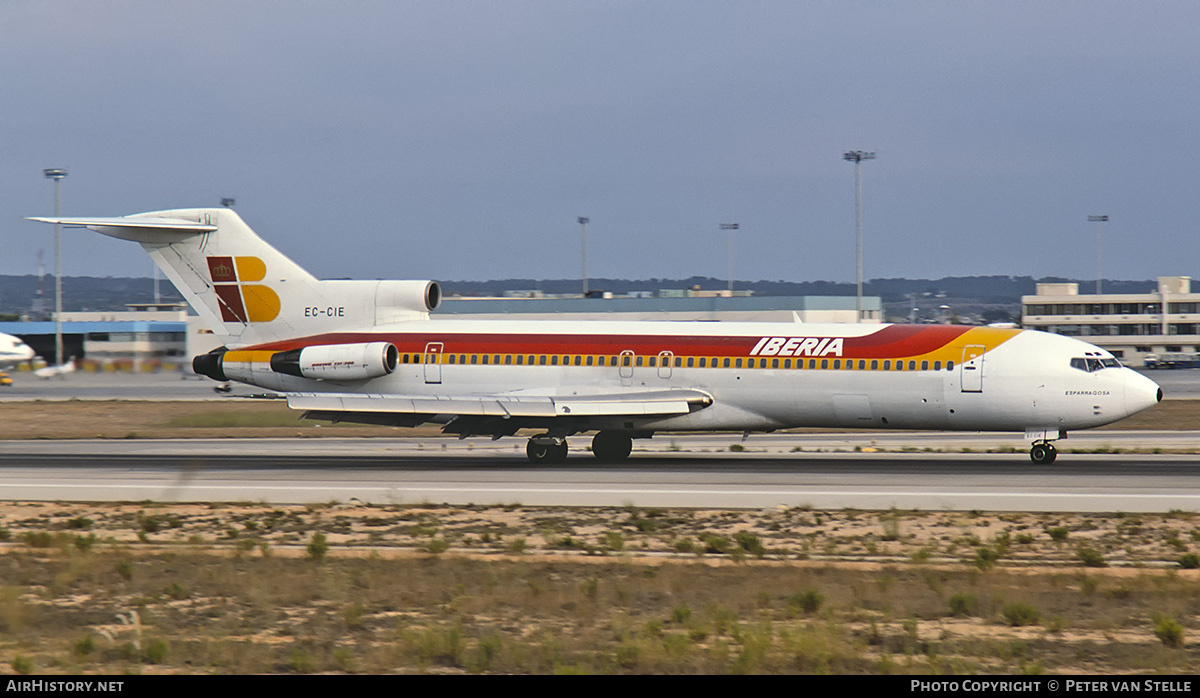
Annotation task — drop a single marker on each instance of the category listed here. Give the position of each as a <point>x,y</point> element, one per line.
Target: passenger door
<point>971,369</point>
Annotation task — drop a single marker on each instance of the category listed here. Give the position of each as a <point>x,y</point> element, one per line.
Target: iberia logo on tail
<point>240,300</point>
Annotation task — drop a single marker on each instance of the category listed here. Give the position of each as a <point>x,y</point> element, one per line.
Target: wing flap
<point>422,404</point>
<point>658,403</point>
<point>661,402</point>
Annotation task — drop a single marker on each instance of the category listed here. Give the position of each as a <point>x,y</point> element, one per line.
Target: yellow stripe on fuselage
<point>987,337</point>
<point>252,356</point>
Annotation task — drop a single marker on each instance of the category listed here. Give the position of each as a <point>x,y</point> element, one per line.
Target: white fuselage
<point>1020,380</point>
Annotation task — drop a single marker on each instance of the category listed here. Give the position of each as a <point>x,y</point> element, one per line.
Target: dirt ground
<point>252,588</point>
<point>80,419</point>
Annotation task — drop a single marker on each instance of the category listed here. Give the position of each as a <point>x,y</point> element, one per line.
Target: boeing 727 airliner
<point>367,352</point>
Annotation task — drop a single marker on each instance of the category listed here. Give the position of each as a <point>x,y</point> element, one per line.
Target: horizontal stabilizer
<point>130,222</point>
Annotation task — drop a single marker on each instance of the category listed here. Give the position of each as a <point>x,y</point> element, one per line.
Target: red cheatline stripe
<point>889,342</point>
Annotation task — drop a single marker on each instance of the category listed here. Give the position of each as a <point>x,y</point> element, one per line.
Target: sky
<point>461,140</point>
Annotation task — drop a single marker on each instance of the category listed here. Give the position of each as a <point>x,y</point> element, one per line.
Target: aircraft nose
<point>1141,393</point>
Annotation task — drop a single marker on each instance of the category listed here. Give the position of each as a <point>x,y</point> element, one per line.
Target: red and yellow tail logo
<point>240,300</point>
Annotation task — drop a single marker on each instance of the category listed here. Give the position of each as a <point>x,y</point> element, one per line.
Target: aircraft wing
<point>408,410</point>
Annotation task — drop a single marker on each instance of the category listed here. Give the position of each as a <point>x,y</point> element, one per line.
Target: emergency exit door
<point>433,362</point>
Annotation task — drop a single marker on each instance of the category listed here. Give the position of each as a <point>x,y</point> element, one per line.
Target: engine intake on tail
<point>338,361</point>
<point>396,301</point>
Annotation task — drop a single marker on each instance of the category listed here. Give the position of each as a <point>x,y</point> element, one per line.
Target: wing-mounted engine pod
<point>338,361</point>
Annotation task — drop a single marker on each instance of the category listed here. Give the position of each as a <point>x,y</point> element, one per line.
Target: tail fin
<point>247,291</point>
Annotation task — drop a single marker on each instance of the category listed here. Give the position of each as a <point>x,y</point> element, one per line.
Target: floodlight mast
<point>856,157</point>
<point>57,174</point>
<point>1099,221</point>
<point>583,223</point>
<point>730,227</point>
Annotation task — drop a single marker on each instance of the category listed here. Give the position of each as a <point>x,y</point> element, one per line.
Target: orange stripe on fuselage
<point>248,355</point>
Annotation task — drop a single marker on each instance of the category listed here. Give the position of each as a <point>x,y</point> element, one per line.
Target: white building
<point>1130,325</point>
<point>716,307</point>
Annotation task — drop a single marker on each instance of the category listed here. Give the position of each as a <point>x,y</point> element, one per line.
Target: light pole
<point>1099,221</point>
<point>583,221</point>
<point>730,227</point>
<point>856,157</point>
<point>57,174</point>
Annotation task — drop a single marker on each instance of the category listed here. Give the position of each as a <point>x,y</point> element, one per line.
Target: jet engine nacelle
<point>349,303</point>
<point>338,361</point>
<point>420,296</point>
<point>346,362</point>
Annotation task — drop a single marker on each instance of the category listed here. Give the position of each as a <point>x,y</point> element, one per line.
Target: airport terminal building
<point>146,337</point>
<point>1130,325</point>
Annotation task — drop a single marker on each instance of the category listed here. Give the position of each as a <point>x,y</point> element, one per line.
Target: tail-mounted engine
<point>211,364</point>
<point>346,362</point>
<point>338,361</point>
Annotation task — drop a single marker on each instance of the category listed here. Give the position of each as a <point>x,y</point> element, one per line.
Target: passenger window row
<point>676,361</point>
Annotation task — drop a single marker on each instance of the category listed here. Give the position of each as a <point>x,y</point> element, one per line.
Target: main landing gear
<point>611,446</point>
<point>1043,452</point>
<point>545,449</point>
<point>607,446</point>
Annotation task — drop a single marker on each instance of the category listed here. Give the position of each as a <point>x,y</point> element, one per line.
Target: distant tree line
<point>985,289</point>
<point>17,293</point>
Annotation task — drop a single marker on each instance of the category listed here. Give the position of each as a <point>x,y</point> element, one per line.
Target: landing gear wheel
<point>546,453</point>
<point>1043,453</point>
<point>611,446</point>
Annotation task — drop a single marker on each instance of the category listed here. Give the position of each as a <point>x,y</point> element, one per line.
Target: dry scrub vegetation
<point>251,588</point>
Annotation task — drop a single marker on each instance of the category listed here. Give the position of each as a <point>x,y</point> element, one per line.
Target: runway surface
<point>696,471</point>
<point>81,385</point>
<point>861,470</point>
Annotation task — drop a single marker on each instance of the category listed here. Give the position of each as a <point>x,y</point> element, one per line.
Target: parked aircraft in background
<point>367,352</point>
<point>52,371</point>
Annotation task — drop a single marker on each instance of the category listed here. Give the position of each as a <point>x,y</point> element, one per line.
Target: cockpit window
<point>1091,365</point>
